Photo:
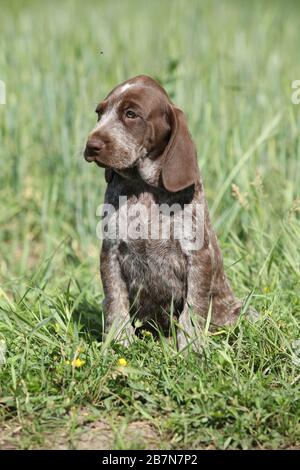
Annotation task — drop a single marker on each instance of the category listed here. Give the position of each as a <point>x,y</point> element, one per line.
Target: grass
<point>229,66</point>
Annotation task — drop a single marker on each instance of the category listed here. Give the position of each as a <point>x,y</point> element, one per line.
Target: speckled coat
<point>149,157</point>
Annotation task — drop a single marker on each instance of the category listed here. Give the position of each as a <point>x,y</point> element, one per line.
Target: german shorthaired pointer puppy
<point>142,140</point>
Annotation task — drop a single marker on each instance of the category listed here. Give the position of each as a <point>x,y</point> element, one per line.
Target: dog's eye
<point>130,114</point>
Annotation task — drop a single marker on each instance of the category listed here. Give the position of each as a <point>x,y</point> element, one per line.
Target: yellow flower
<point>147,333</point>
<point>78,362</point>
<point>122,362</point>
<point>75,363</point>
<point>266,290</point>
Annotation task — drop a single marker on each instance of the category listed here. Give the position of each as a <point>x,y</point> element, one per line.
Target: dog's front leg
<point>189,330</point>
<point>116,302</point>
<point>185,332</point>
<point>192,318</point>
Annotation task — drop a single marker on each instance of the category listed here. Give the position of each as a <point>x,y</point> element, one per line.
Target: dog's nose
<point>93,147</point>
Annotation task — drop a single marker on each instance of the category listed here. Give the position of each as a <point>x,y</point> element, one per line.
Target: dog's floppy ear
<point>180,169</point>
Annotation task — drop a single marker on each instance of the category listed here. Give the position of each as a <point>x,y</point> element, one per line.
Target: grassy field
<point>229,65</point>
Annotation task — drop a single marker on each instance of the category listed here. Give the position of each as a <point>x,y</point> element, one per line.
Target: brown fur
<point>151,158</point>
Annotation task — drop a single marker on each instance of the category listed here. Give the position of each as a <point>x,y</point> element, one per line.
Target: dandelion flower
<point>122,362</point>
<point>78,363</point>
<point>75,363</point>
<point>147,333</point>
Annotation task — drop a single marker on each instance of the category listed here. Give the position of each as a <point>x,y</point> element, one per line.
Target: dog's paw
<point>239,310</point>
<point>186,344</point>
<point>252,315</point>
<point>125,339</point>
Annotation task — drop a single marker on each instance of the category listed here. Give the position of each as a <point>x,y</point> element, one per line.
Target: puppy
<point>142,140</point>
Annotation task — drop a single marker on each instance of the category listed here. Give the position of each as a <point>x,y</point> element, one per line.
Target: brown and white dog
<point>142,141</point>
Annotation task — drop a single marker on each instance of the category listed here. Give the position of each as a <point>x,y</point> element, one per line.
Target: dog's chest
<point>153,263</point>
<point>154,268</point>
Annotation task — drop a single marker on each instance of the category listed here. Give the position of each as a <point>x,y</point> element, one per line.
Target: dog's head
<point>138,126</point>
